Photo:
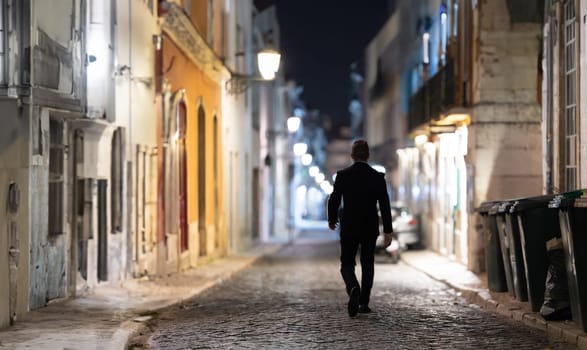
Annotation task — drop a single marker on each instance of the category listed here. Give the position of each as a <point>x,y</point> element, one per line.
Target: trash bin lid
<point>566,199</point>
<point>560,201</point>
<point>581,202</point>
<point>504,207</point>
<point>485,207</point>
<point>528,203</point>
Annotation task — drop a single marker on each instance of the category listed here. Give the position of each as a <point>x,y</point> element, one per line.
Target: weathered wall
<point>57,76</point>
<point>506,146</point>
<point>14,161</point>
<point>505,151</point>
<point>136,110</point>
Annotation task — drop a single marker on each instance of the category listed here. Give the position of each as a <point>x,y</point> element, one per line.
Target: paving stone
<point>295,299</point>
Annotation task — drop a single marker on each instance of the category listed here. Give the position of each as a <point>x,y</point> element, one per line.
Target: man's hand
<point>332,225</point>
<point>387,238</point>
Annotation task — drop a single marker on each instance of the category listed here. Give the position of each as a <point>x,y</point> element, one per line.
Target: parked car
<point>405,227</point>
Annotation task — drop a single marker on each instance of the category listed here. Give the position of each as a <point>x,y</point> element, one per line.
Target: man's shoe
<point>364,309</point>
<point>353,305</point>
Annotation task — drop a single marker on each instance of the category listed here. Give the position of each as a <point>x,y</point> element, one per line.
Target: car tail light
<point>412,222</point>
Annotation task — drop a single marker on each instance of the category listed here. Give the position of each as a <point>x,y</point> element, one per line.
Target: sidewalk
<point>474,289</point>
<point>114,313</point>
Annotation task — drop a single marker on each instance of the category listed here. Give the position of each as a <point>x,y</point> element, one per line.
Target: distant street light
<point>306,159</point>
<point>319,178</point>
<point>313,171</point>
<point>293,124</point>
<point>300,148</point>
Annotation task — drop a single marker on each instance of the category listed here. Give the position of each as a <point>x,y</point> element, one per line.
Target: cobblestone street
<point>295,299</point>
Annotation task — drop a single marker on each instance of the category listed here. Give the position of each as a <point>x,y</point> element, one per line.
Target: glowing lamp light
<point>306,159</point>
<point>326,187</point>
<point>268,61</point>
<point>421,139</point>
<point>293,124</point>
<point>300,149</point>
<point>313,171</point>
<point>319,178</point>
<point>379,168</point>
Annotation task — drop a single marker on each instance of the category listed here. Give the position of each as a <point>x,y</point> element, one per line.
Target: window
<point>570,111</point>
<point>211,22</point>
<point>3,79</point>
<point>56,177</point>
<point>116,179</point>
<point>202,179</point>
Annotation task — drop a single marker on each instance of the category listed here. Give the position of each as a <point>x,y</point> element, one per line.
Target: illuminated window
<point>426,48</point>
<point>444,33</point>
<point>455,18</point>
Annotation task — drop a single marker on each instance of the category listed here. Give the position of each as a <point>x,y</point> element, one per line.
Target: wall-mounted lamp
<point>268,62</point>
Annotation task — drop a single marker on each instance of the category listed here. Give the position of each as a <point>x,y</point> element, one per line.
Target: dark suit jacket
<point>360,187</point>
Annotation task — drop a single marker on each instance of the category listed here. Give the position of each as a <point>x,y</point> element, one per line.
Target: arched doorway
<point>182,160</point>
<point>216,183</point>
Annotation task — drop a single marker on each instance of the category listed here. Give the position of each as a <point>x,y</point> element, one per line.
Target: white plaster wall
<point>14,162</point>
<point>239,151</point>
<point>136,110</point>
<point>100,72</point>
<point>58,27</point>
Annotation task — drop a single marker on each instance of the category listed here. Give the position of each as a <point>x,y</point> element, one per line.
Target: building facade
<point>119,124</point>
<point>467,110</point>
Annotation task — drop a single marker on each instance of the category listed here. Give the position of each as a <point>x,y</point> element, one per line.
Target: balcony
<point>436,97</point>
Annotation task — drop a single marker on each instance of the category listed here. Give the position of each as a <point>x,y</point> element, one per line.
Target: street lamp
<point>268,64</point>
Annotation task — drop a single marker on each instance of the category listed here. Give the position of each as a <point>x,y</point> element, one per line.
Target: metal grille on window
<point>570,97</point>
<point>56,160</point>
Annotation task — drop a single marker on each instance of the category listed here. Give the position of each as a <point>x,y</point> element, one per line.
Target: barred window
<point>3,50</point>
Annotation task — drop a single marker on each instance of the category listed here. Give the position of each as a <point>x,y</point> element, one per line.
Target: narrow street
<point>295,299</point>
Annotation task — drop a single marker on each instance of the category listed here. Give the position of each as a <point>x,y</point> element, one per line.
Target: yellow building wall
<point>182,73</point>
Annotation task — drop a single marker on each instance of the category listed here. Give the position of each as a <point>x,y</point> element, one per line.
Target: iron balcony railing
<point>435,97</point>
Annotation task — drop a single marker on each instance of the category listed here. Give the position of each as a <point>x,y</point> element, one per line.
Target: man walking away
<point>361,188</point>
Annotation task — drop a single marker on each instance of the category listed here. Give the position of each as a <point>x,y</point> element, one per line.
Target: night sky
<point>319,41</point>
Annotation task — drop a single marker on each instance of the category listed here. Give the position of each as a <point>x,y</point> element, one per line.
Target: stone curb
<point>132,328</point>
<point>568,333</point>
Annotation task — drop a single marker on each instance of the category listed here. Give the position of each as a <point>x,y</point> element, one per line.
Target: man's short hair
<point>360,150</point>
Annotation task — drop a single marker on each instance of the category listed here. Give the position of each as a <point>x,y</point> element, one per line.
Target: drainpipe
<point>549,95</point>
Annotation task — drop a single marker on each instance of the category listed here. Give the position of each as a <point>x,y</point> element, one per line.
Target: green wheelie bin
<point>537,224</point>
<point>499,212</point>
<point>496,280</point>
<point>573,224</point>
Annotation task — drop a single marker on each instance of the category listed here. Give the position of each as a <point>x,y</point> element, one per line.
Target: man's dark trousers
<point>349,245</point>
